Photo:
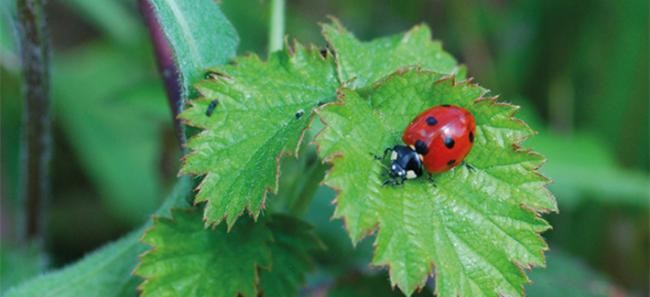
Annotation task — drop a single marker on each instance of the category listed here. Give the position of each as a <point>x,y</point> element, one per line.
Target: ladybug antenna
<point>379,158</point>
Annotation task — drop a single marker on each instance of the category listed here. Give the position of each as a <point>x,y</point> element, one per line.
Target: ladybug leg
<point>390,182</point>
<point>387,151</point>
<point>432,180</point>
<point>379,158</point>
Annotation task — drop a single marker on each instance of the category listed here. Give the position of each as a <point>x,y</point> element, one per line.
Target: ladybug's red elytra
<point>438,139</point>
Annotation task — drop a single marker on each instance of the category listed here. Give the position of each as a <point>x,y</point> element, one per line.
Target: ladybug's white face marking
<point>411,174</point>
<point>393,156</point>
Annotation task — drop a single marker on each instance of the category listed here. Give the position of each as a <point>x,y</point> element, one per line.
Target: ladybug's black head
<point>405,163</point>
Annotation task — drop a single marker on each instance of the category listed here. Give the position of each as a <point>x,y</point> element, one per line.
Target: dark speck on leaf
<point>299,113</point>
<point>211,107</point>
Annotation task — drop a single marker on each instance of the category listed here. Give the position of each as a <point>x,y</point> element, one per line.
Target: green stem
<point>34,48</point>
<point>304,190</point>
<point>276,26</point>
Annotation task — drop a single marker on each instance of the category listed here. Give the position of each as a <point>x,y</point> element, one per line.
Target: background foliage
<point>578,68</point>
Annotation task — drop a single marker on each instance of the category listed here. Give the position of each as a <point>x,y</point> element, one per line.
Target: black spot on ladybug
<point>451,163</point>
<point>421,147</point>
<point>299,114</point>
<point>211,107</point>
<point>471,137</point>
<point>449,142</point>
<point>446,105</point>
<point>431,121</point>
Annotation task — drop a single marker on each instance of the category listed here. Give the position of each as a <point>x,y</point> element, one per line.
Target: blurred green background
<point>579,69</point>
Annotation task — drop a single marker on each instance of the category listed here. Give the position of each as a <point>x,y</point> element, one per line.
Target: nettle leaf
<point>263,109</point>
<point>477,228</point>
<point>291,258</point>
<point>362,63</point>
<point>188,260</point>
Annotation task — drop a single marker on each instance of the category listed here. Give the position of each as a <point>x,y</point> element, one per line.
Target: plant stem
<point>303,191</point>
<point>276,27</point>
<point>36,117</point>
<point>167,68</point>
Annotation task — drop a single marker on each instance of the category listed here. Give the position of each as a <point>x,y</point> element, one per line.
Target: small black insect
<point>211,107</point>
<point>299,113</point>
<point>323,52</point>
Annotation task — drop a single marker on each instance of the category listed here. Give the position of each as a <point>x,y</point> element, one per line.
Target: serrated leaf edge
<point>516,146</point>
<point>157,219</point>
<point>290,50</point>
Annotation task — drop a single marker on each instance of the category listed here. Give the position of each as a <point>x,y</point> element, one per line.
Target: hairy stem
<point>36,117</point>
<point>276,27</point>
<point>167,68</point>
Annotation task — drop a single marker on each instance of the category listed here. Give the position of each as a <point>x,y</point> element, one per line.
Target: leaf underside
<point>188,260</point>
<point>477,228</point>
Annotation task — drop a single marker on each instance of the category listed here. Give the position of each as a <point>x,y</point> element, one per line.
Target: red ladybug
<point>438,139</point>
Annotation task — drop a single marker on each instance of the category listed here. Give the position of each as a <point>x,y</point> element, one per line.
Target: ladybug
<point>438,139</point>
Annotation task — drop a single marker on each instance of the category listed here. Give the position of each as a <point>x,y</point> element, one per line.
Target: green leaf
<point>112,18</point>
<point>19,263</point>
<point>579,173</point>
<point>362,63</point>
<point>291,258</point>
<point>105,272</point>
<point>188,260</point>
<point>198,33</point>
<point>477,228</point>
<point>254,123</point>
<point>100,133</point>
<point>566,276</point>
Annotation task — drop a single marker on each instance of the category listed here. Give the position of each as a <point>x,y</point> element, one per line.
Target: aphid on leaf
<point>438,139</point>
<point>299,113</point>
<point>211,107</point>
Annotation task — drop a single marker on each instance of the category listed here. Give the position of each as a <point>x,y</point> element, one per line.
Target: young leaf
<point>478,228</point>
<point>105,272</point>
<point>362,63</point>
<point>189,260</point>
<point>261,112</point>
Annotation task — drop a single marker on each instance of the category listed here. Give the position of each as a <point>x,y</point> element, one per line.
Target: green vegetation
<point>266,159</point>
